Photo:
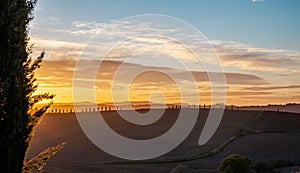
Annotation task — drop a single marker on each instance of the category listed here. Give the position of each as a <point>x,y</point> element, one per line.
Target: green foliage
<point>37,163</point>
<point>235,164</point>
<point>17,84</point>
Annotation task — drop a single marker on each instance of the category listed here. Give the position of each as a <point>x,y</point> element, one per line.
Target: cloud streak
<point>137,38</point>
<point>55,68</point>
<point>246,57</point>
<point>248,70</point>
<point>257,1</point>
<point>273,87</point>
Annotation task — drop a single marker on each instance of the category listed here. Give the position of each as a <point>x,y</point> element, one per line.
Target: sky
<point>169,51</point>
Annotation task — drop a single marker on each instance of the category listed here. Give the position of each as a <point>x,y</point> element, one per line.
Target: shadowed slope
<point>81,154</point>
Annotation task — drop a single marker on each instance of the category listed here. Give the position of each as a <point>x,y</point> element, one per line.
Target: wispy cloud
<point>248,66</point>
<point>57,49</point>
<point>257,1</point>
<point>246,57</point>
<point>134,39</point>
<point>57,75</point>
<point>233,54</point>
<point>273,87</point>
<point>55,68</point>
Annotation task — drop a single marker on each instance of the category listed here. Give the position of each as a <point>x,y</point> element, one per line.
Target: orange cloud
<point>56,76</point>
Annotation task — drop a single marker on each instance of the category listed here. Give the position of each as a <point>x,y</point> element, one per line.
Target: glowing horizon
<point>261,64</point>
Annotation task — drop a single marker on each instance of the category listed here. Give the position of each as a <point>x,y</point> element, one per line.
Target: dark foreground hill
<point>258,135</point>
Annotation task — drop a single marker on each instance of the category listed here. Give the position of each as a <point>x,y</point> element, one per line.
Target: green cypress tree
<point>17,84</point>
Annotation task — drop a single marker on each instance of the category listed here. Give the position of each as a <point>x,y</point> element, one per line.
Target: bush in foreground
<point>235,164</point>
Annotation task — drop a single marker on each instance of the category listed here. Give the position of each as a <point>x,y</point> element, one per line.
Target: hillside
<point>266,135</point>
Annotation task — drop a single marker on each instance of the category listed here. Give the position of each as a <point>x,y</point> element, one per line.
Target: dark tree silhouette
<point>17,86</point>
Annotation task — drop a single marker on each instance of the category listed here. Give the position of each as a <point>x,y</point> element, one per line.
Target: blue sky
<point>257,43</point>
<point>268,23</point>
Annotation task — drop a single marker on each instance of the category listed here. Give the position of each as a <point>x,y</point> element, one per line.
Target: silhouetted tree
<point>17,85</point>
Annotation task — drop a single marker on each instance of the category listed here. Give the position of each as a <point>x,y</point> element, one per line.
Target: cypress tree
<point>17,84</point>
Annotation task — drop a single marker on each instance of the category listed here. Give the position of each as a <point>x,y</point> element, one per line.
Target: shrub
<point>235,164</point>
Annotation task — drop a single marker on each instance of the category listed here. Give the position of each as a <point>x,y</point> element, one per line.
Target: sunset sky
<point>257,45</point>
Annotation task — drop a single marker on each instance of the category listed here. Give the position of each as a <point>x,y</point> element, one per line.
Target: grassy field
<point>259,135</point>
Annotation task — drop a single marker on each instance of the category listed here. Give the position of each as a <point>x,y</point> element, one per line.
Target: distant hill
<point>88,106</point>
<point>289,107</point>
